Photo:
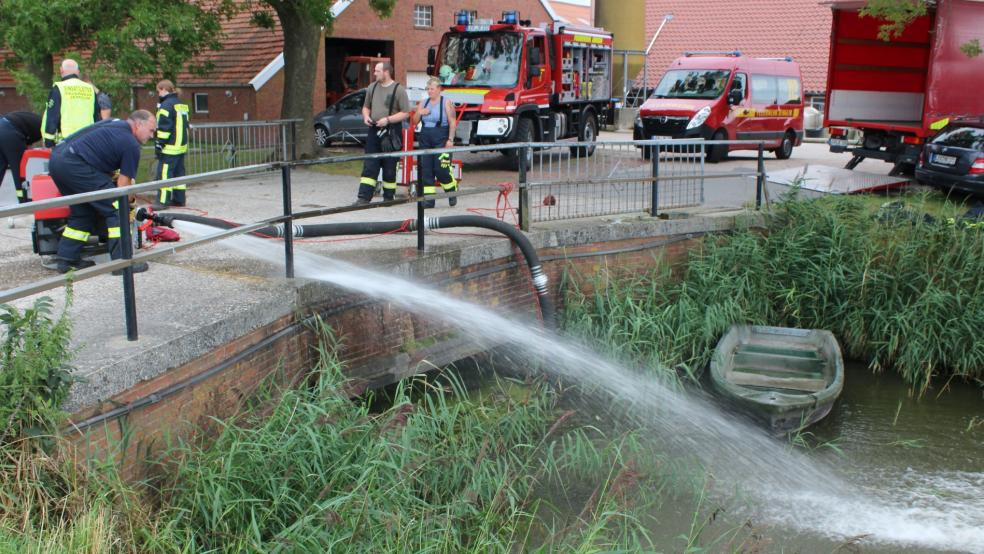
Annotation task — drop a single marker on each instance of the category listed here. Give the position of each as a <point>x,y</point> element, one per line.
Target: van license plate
<point>944,160</point>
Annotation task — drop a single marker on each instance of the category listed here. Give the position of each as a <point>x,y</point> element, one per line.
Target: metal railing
<point>674,177</point>
<point>216,146</point>
<point>565,182</point>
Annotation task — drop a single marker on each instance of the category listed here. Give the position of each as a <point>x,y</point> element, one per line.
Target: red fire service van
<point>726,96</point>
<point>512,82</point>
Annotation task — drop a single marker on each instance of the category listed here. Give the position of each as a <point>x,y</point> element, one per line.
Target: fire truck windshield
<point>692,83</point>
<point>480,59</point>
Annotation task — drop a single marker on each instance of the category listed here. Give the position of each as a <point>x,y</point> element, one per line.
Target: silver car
<point>342,121</point>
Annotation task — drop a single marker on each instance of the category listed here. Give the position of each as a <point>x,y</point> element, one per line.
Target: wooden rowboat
<point>786,378</point>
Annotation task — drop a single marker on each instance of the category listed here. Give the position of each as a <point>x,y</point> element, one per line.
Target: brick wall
<point>378,342</point>
<point>410,43</point>
<point>10,101</point>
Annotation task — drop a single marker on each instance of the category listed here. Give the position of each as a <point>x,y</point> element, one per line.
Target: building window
<point>423,16</point>
<point>201,102</point>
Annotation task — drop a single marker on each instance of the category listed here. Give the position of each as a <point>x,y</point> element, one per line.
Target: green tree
<point>120,38</point>
<point>305,23</point>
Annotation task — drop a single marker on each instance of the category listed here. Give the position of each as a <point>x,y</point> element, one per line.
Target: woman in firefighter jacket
<point>170,144</point>
<point>437,126</point>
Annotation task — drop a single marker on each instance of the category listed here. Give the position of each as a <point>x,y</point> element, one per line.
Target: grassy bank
<point>433,467</point>
<point>899,290</point>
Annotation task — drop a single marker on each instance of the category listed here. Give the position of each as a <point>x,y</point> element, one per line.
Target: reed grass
<point>899,290</point>
<point>440,470</point>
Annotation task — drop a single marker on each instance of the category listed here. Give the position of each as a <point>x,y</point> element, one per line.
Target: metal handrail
<point>289,215</point>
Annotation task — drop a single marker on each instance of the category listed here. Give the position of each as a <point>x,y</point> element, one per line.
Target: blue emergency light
<point>511,17</point>
<point>462,17</point>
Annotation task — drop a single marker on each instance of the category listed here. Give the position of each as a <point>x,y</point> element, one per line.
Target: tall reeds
<point>900,291</point>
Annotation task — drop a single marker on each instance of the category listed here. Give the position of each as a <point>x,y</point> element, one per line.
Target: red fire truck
<point>512,82</point>
<point>901,92</point>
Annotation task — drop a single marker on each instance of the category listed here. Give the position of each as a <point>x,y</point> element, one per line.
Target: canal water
<point>887,490</point>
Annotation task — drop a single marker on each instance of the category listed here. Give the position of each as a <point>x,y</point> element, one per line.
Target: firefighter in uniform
<point>171,144</point>
<point>386,106</point>
<point>437,127</point>
<point>85,162</point>
<point>17,131</point>
<point>71,106</point>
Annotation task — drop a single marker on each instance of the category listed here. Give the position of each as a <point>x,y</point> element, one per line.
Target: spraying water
<point>942,511</point>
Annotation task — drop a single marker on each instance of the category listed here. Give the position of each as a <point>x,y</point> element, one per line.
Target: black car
<point>954,159</point>
<point>342,121</point>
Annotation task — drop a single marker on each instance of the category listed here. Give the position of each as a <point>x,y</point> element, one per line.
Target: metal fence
<point>565,182</point>
<point>215,146</point>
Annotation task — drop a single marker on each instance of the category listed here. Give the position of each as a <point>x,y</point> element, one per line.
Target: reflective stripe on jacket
<point>172,126</point>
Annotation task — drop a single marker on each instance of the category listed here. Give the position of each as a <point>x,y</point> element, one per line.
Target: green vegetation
<point>898,289</point>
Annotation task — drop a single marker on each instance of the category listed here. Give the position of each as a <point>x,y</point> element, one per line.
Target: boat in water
<point>786,378</point>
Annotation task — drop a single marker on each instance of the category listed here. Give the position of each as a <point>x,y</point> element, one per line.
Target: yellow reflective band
<point>113,232</point>
<point>367,181</point>
<point>20,193</point>
<point>116,204</point>
<point>453,185</point>
<point>173,150</point>
<point>164,168</point>
<point>75,234</point>
<point>180,187</point>
<point>389,186</point>
<point>163,134</point>
<point>430,190</point>
<point>161,112</point>
<point>48,136</point>
<point>939,124</point>
<point>181,121</point>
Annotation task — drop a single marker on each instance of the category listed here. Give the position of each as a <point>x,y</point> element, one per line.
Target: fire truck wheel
<point>587,134</point>
<point>524,133</point>
<point>785,149</point>
<point>321,136</point>
<point>718,152</point>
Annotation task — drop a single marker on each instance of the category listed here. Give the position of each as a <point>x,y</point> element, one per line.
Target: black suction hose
<point>547,310</point>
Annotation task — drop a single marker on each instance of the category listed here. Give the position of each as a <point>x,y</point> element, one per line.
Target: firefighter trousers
<point>435,168</point>
<point>370,167</point>
<point>72,175</point>
<point>12,146</point>
<point>168,167</point>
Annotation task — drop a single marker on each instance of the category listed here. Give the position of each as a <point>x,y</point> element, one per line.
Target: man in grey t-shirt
<point>377,114</point>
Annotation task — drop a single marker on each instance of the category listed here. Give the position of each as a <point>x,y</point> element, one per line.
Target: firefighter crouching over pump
<point>72,105</point>
<point>437,126</point>
<point>85,162</point>
<point>171,144</point>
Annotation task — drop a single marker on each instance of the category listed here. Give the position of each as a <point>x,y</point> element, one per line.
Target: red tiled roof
<point>760,28</point>
<point>248,49</point>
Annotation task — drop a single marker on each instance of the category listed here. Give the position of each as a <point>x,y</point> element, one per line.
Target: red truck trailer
<point>516,83</point>
<point>899,93</point>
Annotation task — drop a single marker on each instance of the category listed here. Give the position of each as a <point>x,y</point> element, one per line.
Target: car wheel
<point>718,152</point>
<point>785,149</point>
<point>588,134</point>
<point>321,136</point>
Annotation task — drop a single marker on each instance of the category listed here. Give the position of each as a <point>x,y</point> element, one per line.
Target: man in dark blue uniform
<point>85,162</point>
<point>17,131</point>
